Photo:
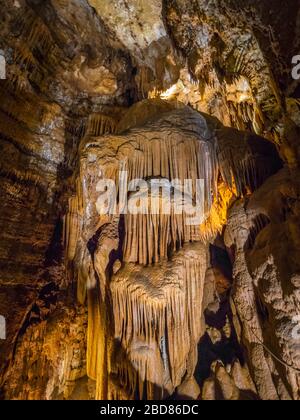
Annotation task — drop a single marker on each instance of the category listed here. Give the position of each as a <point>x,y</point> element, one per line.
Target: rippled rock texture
<point>146,306</point>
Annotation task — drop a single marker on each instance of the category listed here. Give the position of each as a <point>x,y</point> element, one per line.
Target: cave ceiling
<point>140,307</point>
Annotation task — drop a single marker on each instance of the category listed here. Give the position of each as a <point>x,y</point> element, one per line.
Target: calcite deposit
<point>150,200</point>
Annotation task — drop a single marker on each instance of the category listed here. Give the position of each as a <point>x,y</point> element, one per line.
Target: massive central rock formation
<point>146,320</point>
<point>153,305</point>
<point>115,105</point>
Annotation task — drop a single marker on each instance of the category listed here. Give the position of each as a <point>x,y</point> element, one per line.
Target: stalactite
<point>157,291</point>
<point>72,228</point>
<point>15,133</point>
<point>23,111</point>
<point>155,93</point>
<point>24,58</point>
<point>35,32</point>
<point>240,56</point>
<point>243,117</point>
<point>75,128</point>
<point>101,124</point>
<point>35,41</point>
<point>144,78</point>
<point>245,160</point>
<point>165,231</point>
<point>200,161</point>
<point>22,176</point>
<point>217,218</point>
<point>158,303</point>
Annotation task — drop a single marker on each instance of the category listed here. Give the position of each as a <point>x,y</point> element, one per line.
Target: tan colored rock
<point>267,300</point>
<point>72,114</point>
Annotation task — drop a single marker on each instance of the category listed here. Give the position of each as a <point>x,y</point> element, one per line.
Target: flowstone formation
<point>114,104</point>
<point>143,274</point>
<point>157,326</point>
<point>153,300</point>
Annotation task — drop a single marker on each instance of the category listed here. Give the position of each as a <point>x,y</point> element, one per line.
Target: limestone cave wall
<point>148,306</point>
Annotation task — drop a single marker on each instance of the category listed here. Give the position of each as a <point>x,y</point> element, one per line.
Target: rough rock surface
<point>265,233</point>
<point>75,108</point>
<point>153,307</point>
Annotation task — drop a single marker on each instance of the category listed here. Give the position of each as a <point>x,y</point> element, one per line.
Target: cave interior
<point>153,304</point>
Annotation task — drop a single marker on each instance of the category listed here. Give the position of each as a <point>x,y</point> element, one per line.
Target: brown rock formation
<point>156,303</point>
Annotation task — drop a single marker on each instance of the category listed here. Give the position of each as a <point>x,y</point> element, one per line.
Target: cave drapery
<point>148,306</point>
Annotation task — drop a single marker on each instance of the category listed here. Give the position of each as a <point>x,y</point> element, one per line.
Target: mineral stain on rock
<point>146,305</point>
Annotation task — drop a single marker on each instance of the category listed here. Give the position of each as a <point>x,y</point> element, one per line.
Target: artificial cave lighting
<point>150,231</point>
